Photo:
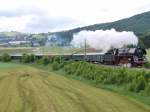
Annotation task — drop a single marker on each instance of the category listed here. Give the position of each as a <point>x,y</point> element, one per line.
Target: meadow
<point>28,89</point>
<point>37,50</point>
<point>148,54</point>
<point>44,50</point>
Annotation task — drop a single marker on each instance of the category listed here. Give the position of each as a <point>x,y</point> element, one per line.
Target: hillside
<point>139,24</point>
<point>146,40</point>
<point>27,89</point>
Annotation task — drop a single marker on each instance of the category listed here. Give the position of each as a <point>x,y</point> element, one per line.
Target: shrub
<point>6,57</point>
<point>134,80</point>
<point>138,84</point>
<point>25,58</point>
<point>32,58</point>
<point>28,58</point>
<point>147,65</point>
<point>132,85</point>
<point>45,60</point>
<point>147,89</point>
<point>55,66</point>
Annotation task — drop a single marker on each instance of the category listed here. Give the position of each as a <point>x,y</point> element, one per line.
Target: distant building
<point>53,40</point>
<point>35,44</point>
<point>14,43</point>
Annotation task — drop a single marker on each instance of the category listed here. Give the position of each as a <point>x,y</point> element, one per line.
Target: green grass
<point>27,89</point>
<point>148,54</point>
<point>9,66</point>
<point>44,50</point>
<point>121,89</point>
<point>16,50</point>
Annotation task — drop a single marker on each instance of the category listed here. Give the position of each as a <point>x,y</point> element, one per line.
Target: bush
<point>28,58</point>
<point>147,89</point>
<point>55,66</point>
<point>57,63</point>
<point>147,65</point>
<point>6,57</point>
<point>132,85</point>
<point>25,58</point>
<point>32,58</point>
<point>45,60</point>
<point>140,84</point>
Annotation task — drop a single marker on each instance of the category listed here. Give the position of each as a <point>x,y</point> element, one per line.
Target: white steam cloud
<point>104,40</point>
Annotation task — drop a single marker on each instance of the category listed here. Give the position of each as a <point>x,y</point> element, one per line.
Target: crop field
<point>43,50</point>
<point>36,50</point>
<point>27,89</point>
<point>16,50</point>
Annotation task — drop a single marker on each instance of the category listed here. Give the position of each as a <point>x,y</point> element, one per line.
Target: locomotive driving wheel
<point>125,62</point>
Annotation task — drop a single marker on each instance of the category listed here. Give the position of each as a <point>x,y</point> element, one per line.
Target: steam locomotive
<point>122,56</point>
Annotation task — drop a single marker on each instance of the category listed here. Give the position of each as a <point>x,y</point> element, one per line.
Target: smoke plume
<point>104,39</point>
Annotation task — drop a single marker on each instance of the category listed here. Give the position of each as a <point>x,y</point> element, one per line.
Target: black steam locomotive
<point>122,56</point>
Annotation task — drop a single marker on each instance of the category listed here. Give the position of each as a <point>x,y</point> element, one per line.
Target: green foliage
<point>45,60</point>
<point>28,58</point>
<point>6,57</point>
<point>147,89</point>
<point>140,84</point>
<point>146,40</point>
<point>135,81</point>
<point>147,65</point>
<point>32,58</point>
<point>57,62</point>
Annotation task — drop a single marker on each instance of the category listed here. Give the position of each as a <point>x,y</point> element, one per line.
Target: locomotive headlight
<point>136,58</point>
<point>145,58</point>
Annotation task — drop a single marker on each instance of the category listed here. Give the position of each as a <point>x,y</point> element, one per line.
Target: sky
<point>37,16</point>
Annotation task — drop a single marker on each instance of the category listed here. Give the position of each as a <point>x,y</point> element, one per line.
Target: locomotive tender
<point>121,56</point>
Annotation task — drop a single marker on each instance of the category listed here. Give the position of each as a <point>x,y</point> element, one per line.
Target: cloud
<point>49,23</point>
<point>18,12</point>
<point>52,15</point>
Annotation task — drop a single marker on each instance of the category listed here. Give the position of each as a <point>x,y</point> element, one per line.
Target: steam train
<point>122,56</point>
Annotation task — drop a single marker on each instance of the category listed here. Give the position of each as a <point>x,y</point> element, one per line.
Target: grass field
<point>148,53</point>
<point>37,50</point>
<point>43,50</point>
<point>27,89</point>
<point>16,50</point>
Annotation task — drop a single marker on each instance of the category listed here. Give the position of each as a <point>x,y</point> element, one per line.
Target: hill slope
<point>139,24</point>
<point>26,89</point>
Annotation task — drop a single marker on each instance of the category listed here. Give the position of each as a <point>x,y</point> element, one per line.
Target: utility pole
<point>85,49</point>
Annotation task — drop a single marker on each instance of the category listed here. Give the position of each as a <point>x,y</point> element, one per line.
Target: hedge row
<point>135,80</point>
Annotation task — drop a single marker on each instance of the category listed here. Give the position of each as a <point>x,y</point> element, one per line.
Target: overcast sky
<point>55,15</point>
